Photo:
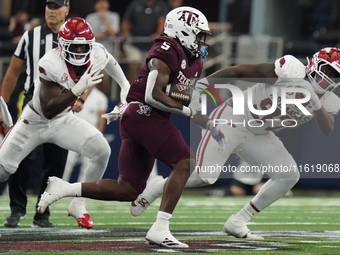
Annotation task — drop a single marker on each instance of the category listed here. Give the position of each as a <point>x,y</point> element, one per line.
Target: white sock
<point>75,188</point>
<point>154,189</point>
<point>162,220</point>
<point>247,212</point>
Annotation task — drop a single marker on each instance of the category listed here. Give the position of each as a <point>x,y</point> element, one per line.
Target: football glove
<point>87,80</point>
<point>115,114</point>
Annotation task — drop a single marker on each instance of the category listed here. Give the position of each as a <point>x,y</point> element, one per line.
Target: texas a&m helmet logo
<point>190,18</point>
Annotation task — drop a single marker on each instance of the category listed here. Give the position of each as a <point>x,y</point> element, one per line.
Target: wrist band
<point>81,100</point>
<point>186,111</point>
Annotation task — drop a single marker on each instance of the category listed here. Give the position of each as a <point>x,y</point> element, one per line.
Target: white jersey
<point>262,99</point>
<point>258,146</point>
<point>52,67</point>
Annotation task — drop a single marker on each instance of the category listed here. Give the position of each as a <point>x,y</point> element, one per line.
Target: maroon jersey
<point>171,53</point>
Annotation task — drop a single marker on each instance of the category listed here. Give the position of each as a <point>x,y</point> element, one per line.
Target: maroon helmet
<point>75,41</point>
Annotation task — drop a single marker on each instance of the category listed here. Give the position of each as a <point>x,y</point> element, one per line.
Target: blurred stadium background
<point>244,31</point>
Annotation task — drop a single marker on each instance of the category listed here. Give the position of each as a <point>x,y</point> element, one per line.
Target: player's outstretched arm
<point>263,70</point>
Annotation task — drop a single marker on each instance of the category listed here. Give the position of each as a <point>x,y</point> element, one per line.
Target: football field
<point>293,225</point>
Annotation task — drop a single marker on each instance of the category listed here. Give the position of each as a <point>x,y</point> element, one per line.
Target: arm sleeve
<point>116,72</point>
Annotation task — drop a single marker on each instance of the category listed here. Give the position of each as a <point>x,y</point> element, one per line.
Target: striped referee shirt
<point>32,46</point>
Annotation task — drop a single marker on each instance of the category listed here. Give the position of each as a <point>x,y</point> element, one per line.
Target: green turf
<point>209,213</point>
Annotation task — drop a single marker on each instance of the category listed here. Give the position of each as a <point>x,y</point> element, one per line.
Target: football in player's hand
<point>179,93</point>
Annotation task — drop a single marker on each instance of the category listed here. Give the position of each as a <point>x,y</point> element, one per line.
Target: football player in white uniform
<point>64,74</point>
<point>258,145</point>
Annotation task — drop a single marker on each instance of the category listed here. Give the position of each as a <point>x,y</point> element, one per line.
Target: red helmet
<point>75,41</point>
<point>320,80</point>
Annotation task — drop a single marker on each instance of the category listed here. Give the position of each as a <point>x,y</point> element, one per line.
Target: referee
<point>32,46</point>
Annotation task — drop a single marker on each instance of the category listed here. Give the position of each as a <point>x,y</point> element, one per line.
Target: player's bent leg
<point>98,150</point>
<point>272,154</point>
<point>159,233</point>
<point>104,189</point>
<point>175,184</point>
<point>110,190</point>
<point>277,186</point>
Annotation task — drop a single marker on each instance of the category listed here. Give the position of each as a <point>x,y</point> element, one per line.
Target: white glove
<point>217,134</point>
<point>87,80</point>
<point>6,116</point>
<point>115,114</point>
<point>194,105</point>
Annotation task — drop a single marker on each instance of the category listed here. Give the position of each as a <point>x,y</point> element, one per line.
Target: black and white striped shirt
<point>32,46</point>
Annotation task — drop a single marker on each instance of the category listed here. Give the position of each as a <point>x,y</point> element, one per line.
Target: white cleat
<point>53,192</point>
<point>148,196</point>
<point>163,238</point>
<point>235,227</point>
<point>138,206</point>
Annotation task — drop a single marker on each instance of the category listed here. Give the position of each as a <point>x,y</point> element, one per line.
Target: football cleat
<point>84,221</point>
<point>77,210</point>
<point>148,196</point>
<point>139,205</point>
<point>237,228</point>
<point>53,192</point>
<point>163,238</point>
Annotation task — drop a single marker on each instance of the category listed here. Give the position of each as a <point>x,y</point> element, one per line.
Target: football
<point>180,93</point>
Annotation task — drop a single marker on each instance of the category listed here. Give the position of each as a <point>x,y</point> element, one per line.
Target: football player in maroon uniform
<point>146,132</point>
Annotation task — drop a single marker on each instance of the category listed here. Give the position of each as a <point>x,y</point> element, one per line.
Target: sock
<point>247,212</point>
<point>163,220</point>
<point>154,189</point>
<point>75,188</point>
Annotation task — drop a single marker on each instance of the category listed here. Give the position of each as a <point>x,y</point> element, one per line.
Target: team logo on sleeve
<point>42,70</point>
<point>64,78</point>
<point>183,64</point>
